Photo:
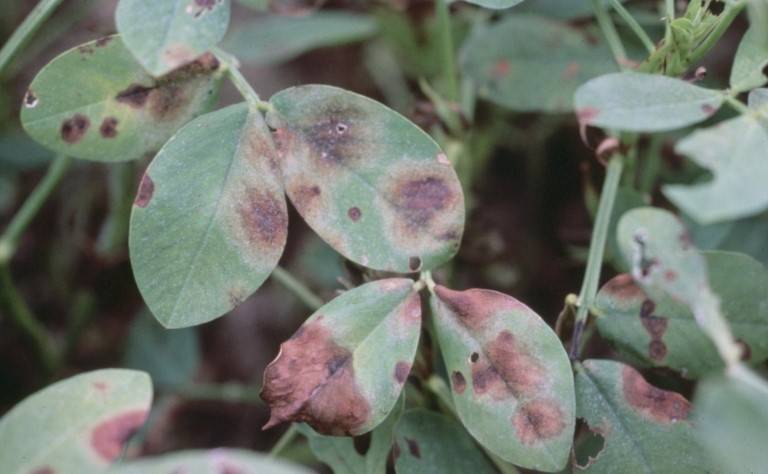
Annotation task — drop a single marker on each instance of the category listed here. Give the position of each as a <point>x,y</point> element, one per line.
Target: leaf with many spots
<point>643,102</point>
<point>664,333</point>
<point>165,35</point>
<point>430,443</point>
<point>96,102</point>
<point>345,367</point>
<point>215,461</point>
<point>511,378</point>
<point>495,4</point>
<point>748,64</point>
<point>210,221</point>
<point>645,429</point>
<point>373,185</point>
<point>76,425</point>
<point>527,62</point>
<point>734,151</point>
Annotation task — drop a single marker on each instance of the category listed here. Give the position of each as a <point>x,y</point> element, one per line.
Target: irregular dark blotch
<point>458,381</point>
<point>414,263</point>
<point>108,438</point>
<point>413,447</point>
<point>655,325</point>
<point>472,307</point>
<point>659,405</point>
<point>146,190</point>
<point>647,308</point>
<point>43,470</point>
<point>312,380</point>
<point>420,199</point>
<point>108,127</point>
<point>402,369</point>
<point>167,100</point>
<point>474,357</point>
<point>135,95</point>
<point>332,138</point>
<point>538,421</point>
<point>354,213</point>
<point>746,351</point>
<point>263,218</point>
<point>657,350</point>
<point>73,129</point>
<point>30,99</point>
<point>303,196</point>
<point>101,42</point>
<point>623,287</point>
<point>508,370</point>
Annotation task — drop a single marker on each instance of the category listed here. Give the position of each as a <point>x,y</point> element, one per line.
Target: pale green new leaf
<point>345,367</point>
<point>527,62</point>
<point>76,425</point>
<point>734,151</point>
<point>495,4</point>
<point>751,58</point>
<point>215,461</point>
<point>275,38</point>
<point>662,332</point>
<point>164,35</point>
<point>371,183</point>
<point>96,102</point>
<point>511,379</point>
<point>209,222</point>
<point>645,429</point>
<point>431,443</point>
<point>643,102</point>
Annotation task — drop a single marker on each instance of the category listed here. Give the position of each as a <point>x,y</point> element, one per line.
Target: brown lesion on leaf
<point>304,195</point>
<point>414,264</point>
<point>419,198</point>
<point>661,406</point>
<point>334,138</point>
<point>109,436</point>
<point>312,380</point>
<point>354,213</point>
<point>402,369</point>
<point>146,191</point>
<point>506,369</point>
<point>103,41</point>
<point>413,447</point>
<point>263,218</point>
<point>656,326</point>
<point>73,129</point>
<point>538,421</point>
<point>475,307</point>
<point>108,128</point>
<point>458,381</point>
<point>30,99</point>
<point>410,311</point>
<point>623,288</point>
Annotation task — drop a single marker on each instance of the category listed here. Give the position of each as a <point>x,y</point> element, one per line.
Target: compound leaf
<point>164,35</point>
<point>215,461</point>
<point>511,379</point>
<point>210,221</point>
<point>751,58</point>
<point>79,424</point>
<point>96,102</point>
<point>345,367</point>
<point>643,102</point>
<point>371,183</point>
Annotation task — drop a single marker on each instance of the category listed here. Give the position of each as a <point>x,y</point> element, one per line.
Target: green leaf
<point>164,35</point>
<point>511,378</point>
<point>731,414</point>
<point>76,425</point>
<point>527,62</point>
<point>495,4</point>
<point>751,58</point>
<point>644,102</point>
<point>662,332</point>
<point>274,38</point>
<point>744,236</point>
<point>734,151</point>
<point>344,369</point>
<point>170,357</point>
<point>209,222</point>
<point>560,9</point>
<point>373,185</point>
<point>645,429</point>
<point>215,461</point>
<point>758,98</point>
<point>96,102</point>
<point>430,443</point>
<point>626,199</point>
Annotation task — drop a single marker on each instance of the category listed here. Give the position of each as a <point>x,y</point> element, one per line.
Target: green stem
<point>633,25</point>
<point>443,15</point>
<point>596,250</point>
<point>736,104</point>
<point>729,14</point>
<point>232,67</point>
<point>24,32</point>
<point>298,288</point>
<point>286,439</point>
<point>610,33</point>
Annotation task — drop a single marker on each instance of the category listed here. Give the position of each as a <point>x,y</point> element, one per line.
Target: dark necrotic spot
<point>354,213</point>
<point>108,438</point>
<point>263,218</point>
<point>146,190</point>
<point>538,420</point>
<point>414,263</point>
<point>657,350</point>
<point>420,199</point>
<point>458,381</point>
<point>655,325</point>
<point>659,405</point>
<point>101,42</point>
<point>402,369</point>
<point>474,357</point>
<point>30,99</point>
<point>508,370</point>
<point>413,447</point>
<point>647,308</point>
<point>108,127</point>
<point>135,95</point>
<point>331,137</point>
<point>73,129</point>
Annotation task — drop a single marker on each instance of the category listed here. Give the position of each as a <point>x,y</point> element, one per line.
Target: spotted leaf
<point>644,428</point>
<point>96,102</point>
<point>511,379</point>
<point>215,461</point>
<point>663,332</point>
<point>527,62</point>
<point>643,102</point>
<point>164,35</point>
<point>428,442</point>
<point>373,185</point>
<point>209,222</point>
<point>79,424</point>
<point>345,367</point>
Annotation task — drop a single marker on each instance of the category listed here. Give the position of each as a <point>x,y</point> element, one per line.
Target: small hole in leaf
<point>588,444</point>
<point>30,99</point>
<point>414,263</point>
<point>474,357</point>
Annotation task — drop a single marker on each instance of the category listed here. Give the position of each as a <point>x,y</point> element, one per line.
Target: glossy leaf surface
<point>511,379</point>
<point>644,102</point>
<point>79,424</point>
<point>96,102</point>
<point>215,461</point>
<point>164,35</point>
<point>373,185</point>
<point>345,367</point>
<point>209,222</point>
